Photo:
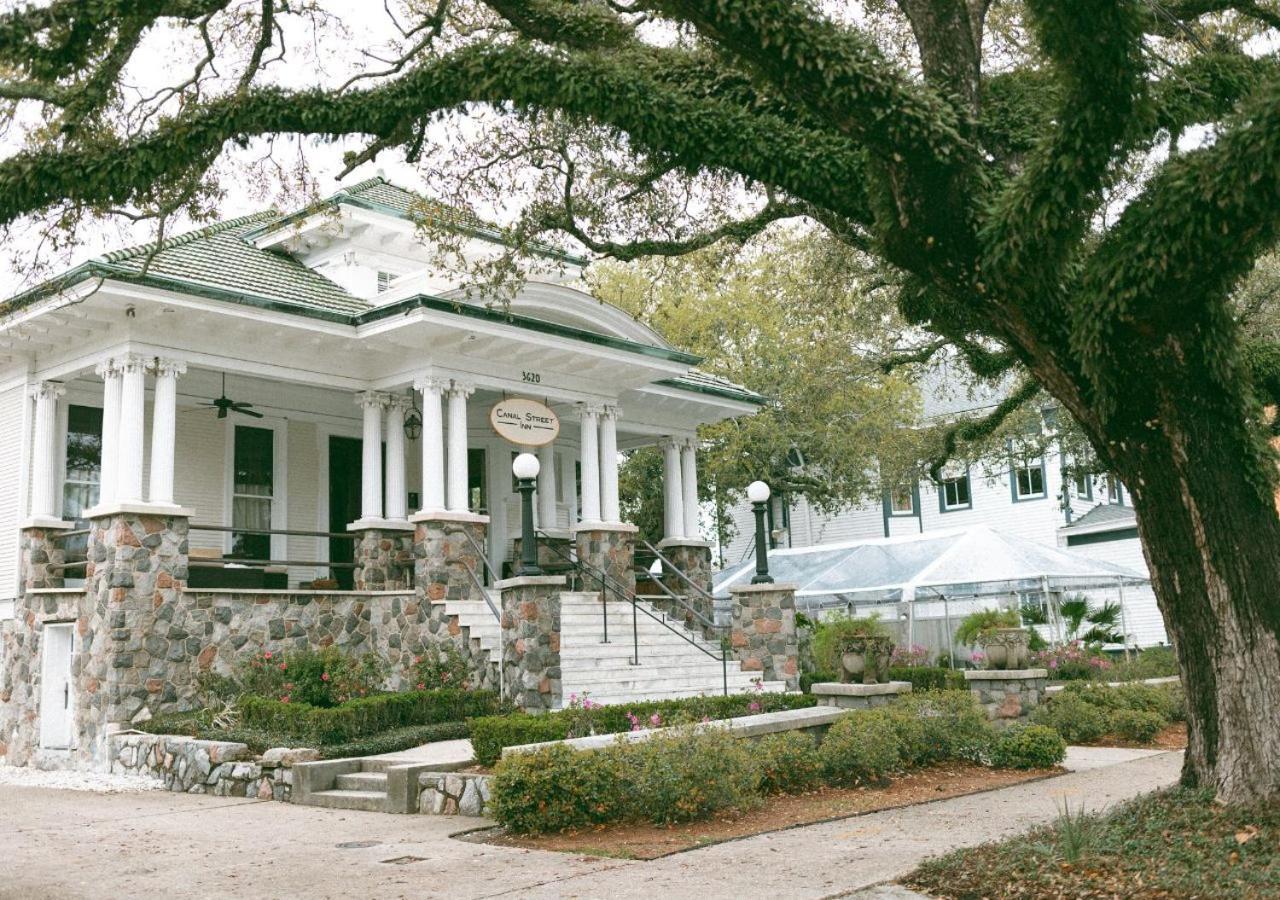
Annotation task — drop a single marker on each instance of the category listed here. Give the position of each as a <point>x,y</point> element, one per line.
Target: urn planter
<point>1007,648</point>
<point>866,659</point>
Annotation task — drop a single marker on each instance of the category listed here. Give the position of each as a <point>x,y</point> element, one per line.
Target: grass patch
<point>1170,844</point>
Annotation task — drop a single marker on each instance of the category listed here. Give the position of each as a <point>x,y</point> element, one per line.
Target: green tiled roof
<point>706,383</point>
<point>219,257</point>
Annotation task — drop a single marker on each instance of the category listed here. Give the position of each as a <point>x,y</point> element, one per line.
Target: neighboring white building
<point>1033,498</point>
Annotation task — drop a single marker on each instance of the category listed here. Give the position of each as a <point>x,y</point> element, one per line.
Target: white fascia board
<point>729,406</point>
<point>71,296</point>
<point>319,221</point>
<point>301,321</point>
<point>1113,525</point>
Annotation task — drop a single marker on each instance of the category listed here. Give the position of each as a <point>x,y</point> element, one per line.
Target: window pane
<point>902,501</point>
<point>956,492</point>
<point>254,461</point>
<point>84,458</point>
<point>255,513</point>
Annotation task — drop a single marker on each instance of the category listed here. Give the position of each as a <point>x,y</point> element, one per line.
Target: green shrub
<point>937,725</point>
<point>976,624</point>
<point>789,762</point>
<point>439,667</point>
<point>394,740</point>
<point>1028,747</point>
<point>838,633</point>
<point>1166,700</point>
<point>490,735</point>
<point>1073,717</point>
<point>1154,662</point>
<point>367,715</point>
<point>929,678</point>
<point>323,678</point>
<point>862,747</point>
<point>1138,725</point>
<point>809,679</point>
<point>670,778</point>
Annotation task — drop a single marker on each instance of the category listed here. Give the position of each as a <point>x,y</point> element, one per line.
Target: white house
<point>300,407</point>
<point>1036,498</point>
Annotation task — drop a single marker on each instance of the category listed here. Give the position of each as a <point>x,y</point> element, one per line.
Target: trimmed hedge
<point>860,748</point>
<point>789,762</point>
<point>929,678</point>
<point>368,715</point>
<point>1084,712</point>
<point>490,734</point>
<point>1028,747</point>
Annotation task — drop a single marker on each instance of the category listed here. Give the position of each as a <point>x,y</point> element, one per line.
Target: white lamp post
<point>526,467</point>
<point>758,494</point>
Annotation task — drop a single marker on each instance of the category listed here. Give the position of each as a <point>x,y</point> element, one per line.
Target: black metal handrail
<point>607,584</point>
<point>669,566</point>
<point>484,561</point>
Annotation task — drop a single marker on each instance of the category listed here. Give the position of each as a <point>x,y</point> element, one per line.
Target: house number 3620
<point>531,378</point>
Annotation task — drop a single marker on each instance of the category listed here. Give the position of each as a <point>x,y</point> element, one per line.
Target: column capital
<point>371,400</point>
<point>48,390</point>
<point>611,411</point>
<point>433,384</point>
<point>671,442</point>
<point>595,410</point>
<point>165,367</point>
<point>106,368</point>
<point>132,362</point>
<point>398,402</point>
<point>691,442</point>
<point>459,388</point>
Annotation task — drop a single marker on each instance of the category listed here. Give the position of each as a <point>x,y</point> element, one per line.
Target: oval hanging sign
<point>527,423</point>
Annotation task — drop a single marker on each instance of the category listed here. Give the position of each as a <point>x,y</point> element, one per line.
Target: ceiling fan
<point>224,404</point>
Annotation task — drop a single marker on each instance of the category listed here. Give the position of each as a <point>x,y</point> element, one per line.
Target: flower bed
<point>689,774</point>
<point>490,734</point>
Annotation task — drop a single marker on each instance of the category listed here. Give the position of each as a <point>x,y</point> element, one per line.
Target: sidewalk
<point>70,844</point>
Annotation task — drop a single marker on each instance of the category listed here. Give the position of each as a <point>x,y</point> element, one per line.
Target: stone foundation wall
<point>531,641</point>
<point>453,794</point>
<point>384,560</point>
<point>694,560</point>
<point>220,768</point>
<point>763,631</point>
<point>1010,695</point>
<point>20,639</point>
<point>611,550</point>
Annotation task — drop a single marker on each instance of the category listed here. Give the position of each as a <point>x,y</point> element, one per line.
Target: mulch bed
<point>1173,737</point>
<point>644,841</point>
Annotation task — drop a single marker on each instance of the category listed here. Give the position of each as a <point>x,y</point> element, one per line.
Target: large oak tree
<point>1006,161</point>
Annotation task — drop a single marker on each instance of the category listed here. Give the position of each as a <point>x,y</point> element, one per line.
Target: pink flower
<point>324,677</point>
<point>421,686</point>
<point>754,707</point>
<point>281,667</point>
<point>266,654</point>
<point>655,720</point>
<point>284,699</point>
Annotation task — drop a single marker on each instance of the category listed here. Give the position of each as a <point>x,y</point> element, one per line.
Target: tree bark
<point>1211,536</point>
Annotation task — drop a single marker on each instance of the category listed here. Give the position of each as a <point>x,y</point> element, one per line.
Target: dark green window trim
<point>943,508</point>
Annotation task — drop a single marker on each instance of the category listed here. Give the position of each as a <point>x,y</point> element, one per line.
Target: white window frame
<point>962,477</point>
<point>279,478</point>
<point>910,490</point>
<point>1029,465</point>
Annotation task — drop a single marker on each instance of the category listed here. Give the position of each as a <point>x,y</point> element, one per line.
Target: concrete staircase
<point>387,783</point>
<point>669,666</point>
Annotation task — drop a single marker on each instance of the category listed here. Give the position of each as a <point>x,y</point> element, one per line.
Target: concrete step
<point>621,699</point>
<point>362,781</point>
<point>369,801</point>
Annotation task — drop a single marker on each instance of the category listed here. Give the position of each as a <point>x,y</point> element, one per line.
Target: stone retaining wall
<point>453,794</point>
<point>220,768</point>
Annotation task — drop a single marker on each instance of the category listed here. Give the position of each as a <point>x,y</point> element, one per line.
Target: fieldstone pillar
<point>609,548</point>
<point>384,559</point>
<point>41,558</point>
<point>531,641</point>
<point>1008,695</point>
<point>693,560</point>
<point>447,548</point>
<point>132,664</point>
<point>763,631</point>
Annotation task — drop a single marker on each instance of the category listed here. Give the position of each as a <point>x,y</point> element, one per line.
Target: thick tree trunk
<point>1211,536</point>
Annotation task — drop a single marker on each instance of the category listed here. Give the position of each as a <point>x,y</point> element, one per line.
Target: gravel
<point>97,782</point>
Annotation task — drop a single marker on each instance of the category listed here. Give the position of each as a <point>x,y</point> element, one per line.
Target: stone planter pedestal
<point>1008,695</point>
<point>858,696</point>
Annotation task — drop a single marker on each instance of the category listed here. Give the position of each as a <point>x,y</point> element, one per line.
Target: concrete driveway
<point>70,844</point>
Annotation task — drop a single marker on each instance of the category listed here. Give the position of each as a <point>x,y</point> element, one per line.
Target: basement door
<point>57,709</point>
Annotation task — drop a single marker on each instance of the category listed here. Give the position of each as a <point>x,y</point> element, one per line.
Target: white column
<point>547,486</point>
<point>672,490</point>
<point>458,393</point>
<point>133,384</point>
<point>609,510</point>
<point>45,450</point>
<point>371,455</point>
<point>689,481</point>
<point>164,434</point>
<point>108,468</point>
<point>432,444</point>
<point>590,423</point>
<point>396,503</point>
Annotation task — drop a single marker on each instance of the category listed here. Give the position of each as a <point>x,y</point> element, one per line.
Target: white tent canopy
<point>962,562</point>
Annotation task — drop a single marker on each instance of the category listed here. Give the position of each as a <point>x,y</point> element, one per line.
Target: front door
<point>345,465</point>
<point>56,700</point>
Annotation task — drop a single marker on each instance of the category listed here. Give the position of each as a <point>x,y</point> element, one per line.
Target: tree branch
<point>976,429</point>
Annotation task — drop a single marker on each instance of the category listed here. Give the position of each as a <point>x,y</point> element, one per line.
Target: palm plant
<point>1088,623</point>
